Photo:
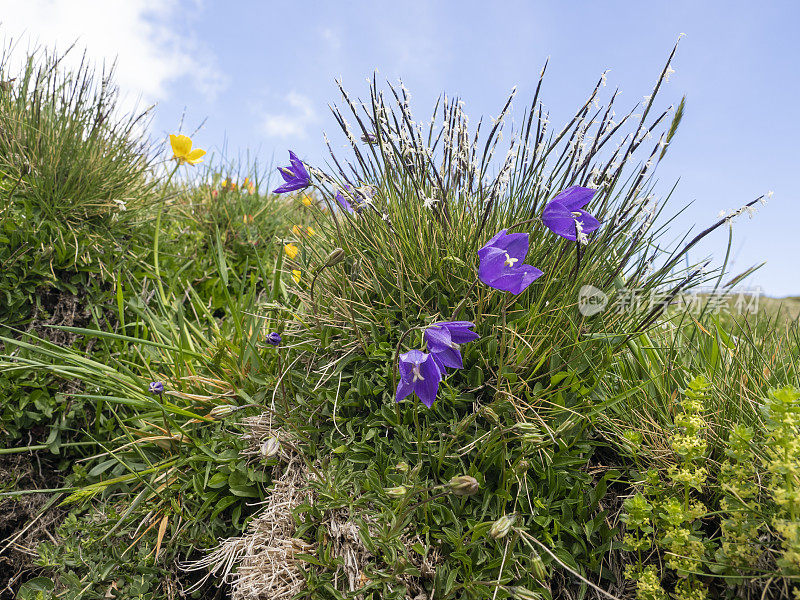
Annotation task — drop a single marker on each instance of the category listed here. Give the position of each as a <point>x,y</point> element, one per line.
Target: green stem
<point>43,447</point>
<point>157,234</point>
<point>460,306</point>
<point>503,357</point>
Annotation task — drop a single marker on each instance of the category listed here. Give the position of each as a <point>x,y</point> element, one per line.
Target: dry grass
<point>261,564</point>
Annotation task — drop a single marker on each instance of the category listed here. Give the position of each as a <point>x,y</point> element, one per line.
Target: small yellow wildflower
<point>182,150</point>
<point>310,230</point>
<point>296,230</point>
<point>306,200</point>
<point>248,218</point>
<point>291,250</point>
<point>296,275</point>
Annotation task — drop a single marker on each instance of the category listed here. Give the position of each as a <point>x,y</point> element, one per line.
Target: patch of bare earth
<point>27,520</point>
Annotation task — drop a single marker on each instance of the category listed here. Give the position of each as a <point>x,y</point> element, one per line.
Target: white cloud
<point>291,123</point>
<point>332,38</point>
<point>150,49</point>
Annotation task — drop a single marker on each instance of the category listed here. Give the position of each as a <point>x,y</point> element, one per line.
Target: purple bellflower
<point>443,339</point>
<point>295,176</point>
<point>565,216</point>
<point>156,387</point>
<point>501,264</point>
<point>274,339</point>
<point>420,375</point>
<point>343,202</point>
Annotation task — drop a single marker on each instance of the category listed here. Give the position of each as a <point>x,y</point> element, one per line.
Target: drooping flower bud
<point>274,338</point>
<point>502,526</point>
<point>522,593</point>
<point>270,447</point>
<point>463,485</point>
<point>529,432</point>
<point>223,410</point>
<point>537,565</point>
<point>335,257</point>
<point>156,387</point>
<point>396,492</point>
<point>490,415</point>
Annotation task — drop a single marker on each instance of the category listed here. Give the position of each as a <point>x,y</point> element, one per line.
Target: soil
<point>18,544</point>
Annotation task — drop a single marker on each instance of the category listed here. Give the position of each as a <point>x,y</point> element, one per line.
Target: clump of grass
<point>429,194</point>
<point>74,175</point>
<point>68,153</point>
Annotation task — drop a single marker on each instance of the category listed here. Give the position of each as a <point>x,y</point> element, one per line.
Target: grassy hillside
<point>199,376</point>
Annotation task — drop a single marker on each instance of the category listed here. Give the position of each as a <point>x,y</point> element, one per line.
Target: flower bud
<point>335,257</point>
<point>270,447</point>
<point>463,485</point>
<point>402,467</point>
<point>502,526</point>
<point>522,466</point>
<point>529,432</point>
<point>522,593</point>
<point>490,415</point>
<point>156,387</point>
<point>274,339</point>
<point>396,492</point>
<point>223,410</point>
<point>537,566</point>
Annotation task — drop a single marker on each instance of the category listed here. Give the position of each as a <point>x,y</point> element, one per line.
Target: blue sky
<point>262,75</point>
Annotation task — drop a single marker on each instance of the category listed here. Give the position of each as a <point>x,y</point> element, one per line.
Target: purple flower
<point>295,176</point>
<point>369,138</point>
<point>443,339</point>
<point>274,338</point>
<point>156,387</point>
<point>501,263</point>
<point>564,215</point>
<point>419,375</point>
<point>343,202</point>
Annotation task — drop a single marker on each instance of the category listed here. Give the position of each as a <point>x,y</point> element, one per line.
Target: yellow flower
<point>247,218</point>
<point>310,230</point>
<point>296,275</point>
<point>182,150</point>
<point>296,230</point>
<point>291,250</point>
<point>306,200</point>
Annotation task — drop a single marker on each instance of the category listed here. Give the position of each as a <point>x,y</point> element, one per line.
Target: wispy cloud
<point>332,38</point>
<point>293,122</point>
<point>151,52</point>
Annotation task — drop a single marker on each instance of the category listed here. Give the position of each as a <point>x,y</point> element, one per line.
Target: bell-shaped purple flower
<point>343,202</point>
<point>295,176</point>
<point>501,264</point>
<point>274,339</point>
<point>156,387</point>
<point>564,214</point>
<point>419,375</point>
<point>443,339</point>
